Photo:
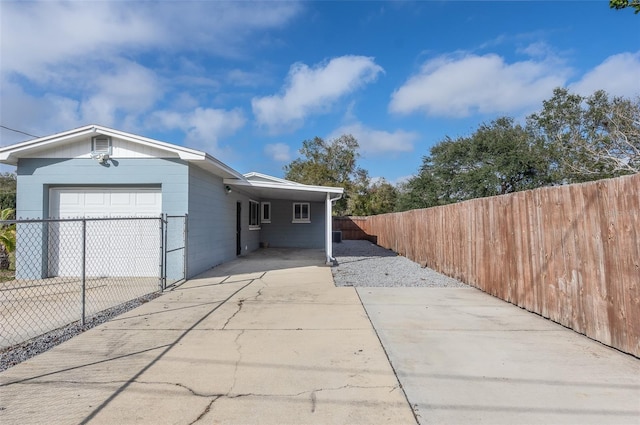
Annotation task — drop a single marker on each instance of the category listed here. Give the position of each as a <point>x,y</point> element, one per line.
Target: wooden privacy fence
<point>569,253</point>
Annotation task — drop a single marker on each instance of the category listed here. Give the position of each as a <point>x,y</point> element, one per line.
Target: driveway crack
<point>235,371</point>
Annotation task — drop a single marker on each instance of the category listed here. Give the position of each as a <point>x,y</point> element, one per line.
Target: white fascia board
<point>300,187</point>
<point>8,153</point>
<point>225,168</point>
<point>268,177</point>
<point>11,153</point>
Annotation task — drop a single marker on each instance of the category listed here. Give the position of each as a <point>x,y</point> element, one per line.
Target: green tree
<point>589,138</point>
<point>420,191</point>
<point>622,4</point>
<point>380,197</point>
<point>498,158</point>
<point>7,237</point>
<point>332,163</point>
<point>7,191</point>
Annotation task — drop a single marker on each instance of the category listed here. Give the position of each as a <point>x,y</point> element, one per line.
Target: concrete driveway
<point>266,339</point>
<point>464,357</point>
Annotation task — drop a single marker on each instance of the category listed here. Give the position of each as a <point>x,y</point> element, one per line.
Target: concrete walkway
<point>464,357</point>
<point>266,339</point>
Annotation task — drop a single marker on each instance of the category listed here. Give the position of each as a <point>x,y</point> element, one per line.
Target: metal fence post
<point>161,282</point>
<point>84,269</point>
<point>186,249</point>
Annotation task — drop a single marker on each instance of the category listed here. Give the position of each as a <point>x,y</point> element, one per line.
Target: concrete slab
<point>261,340</point>
<point>463,356</point>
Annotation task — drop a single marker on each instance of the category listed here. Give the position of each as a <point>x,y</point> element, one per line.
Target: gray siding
<point>212,222</point>
<point>282,233</point>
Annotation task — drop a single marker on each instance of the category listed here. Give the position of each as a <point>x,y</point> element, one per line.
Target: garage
<point>117,246</point>
<point>105,202</point>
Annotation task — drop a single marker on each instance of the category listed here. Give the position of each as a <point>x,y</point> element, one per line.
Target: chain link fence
<point>67,270</point>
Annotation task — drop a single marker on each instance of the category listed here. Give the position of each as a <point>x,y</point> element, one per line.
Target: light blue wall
<point>186,188</point>
<point>212,222</point>
<point>36,176</point>
<point>282,233</point>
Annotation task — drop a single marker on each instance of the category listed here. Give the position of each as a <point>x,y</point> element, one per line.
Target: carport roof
<point>265,187</point>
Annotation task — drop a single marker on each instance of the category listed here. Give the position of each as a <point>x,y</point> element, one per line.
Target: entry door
<point>238,228</point>
<point>113,248</point>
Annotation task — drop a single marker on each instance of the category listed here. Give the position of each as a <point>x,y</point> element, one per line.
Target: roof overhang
<point>11,154</point>
<point>283,189</point>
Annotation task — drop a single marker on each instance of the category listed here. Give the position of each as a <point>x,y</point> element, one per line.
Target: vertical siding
<point>570,253</point>
<point>281,232</point>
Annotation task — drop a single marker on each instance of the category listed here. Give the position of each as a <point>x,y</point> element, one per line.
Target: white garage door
<point>113,247</point>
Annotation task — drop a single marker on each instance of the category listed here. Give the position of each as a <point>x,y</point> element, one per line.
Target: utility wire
<point>18,131</point>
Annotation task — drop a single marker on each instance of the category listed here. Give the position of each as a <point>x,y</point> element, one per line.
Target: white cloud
<point>378,141</point>
<point>203,127</point>
<point>65,64</point>
<point>618,75</point>
<point>280,152</point>
<point>313,90</point>
<point>129,89</point>
<point>36,35</point>
<point>460,86</point>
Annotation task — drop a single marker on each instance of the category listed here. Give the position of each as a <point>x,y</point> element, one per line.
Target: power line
<point>18,131</point>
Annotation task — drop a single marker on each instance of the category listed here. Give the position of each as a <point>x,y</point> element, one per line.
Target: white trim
<point>262,209</point>
<point>249,176</point>
<point>301,219</point>
<point>292,187</point>
<point>251,204</point>
<point>11,154</point>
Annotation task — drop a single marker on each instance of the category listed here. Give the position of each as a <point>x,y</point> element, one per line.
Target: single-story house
<point>95,171</point>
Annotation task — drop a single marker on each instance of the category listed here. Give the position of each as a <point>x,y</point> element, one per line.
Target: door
<point>238,228</point>
<point>113,247</point>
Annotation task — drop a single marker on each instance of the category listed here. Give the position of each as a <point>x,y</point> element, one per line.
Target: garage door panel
<point>113,247</point>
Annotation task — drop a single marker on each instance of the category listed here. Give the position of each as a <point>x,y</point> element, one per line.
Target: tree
<point>589,138</point>
<point>621,4</point>
<point>421,191</point>
<point>380,198</point>
<point>498,158</point>
<point>332,163</point>
<point>7,191</point>
<point>7,237</point>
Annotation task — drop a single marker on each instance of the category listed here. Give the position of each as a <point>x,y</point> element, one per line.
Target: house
<point>95,171</point>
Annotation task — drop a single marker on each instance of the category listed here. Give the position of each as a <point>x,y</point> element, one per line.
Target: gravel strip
<point>13,355</point>
<point>362,263</point>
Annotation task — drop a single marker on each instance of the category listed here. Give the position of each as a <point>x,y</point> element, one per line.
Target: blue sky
<point>248,82</point>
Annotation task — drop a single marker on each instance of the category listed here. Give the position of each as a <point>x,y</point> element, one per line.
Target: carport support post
<point>83,269</point>
<point>328,228</point>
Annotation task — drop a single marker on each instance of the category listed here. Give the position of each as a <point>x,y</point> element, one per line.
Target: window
<point>101,144</point>
<point>265,217</point>
<point>301,212</point>
<point>254,217</point>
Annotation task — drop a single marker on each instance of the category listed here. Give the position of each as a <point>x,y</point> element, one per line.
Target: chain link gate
<point>66,271</point>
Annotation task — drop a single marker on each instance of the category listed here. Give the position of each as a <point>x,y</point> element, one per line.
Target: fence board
<point>569,253</point>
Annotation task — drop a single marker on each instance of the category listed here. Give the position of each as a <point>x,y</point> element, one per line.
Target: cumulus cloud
<point>313,90</point>
<point>618,75</point>
<point>459,86</point>
<point>129,89</point>
<point>65,64</point>
<point>36,35</point>
<point>378,141</point>
<point>203,127</point>
<point>280,152</point>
